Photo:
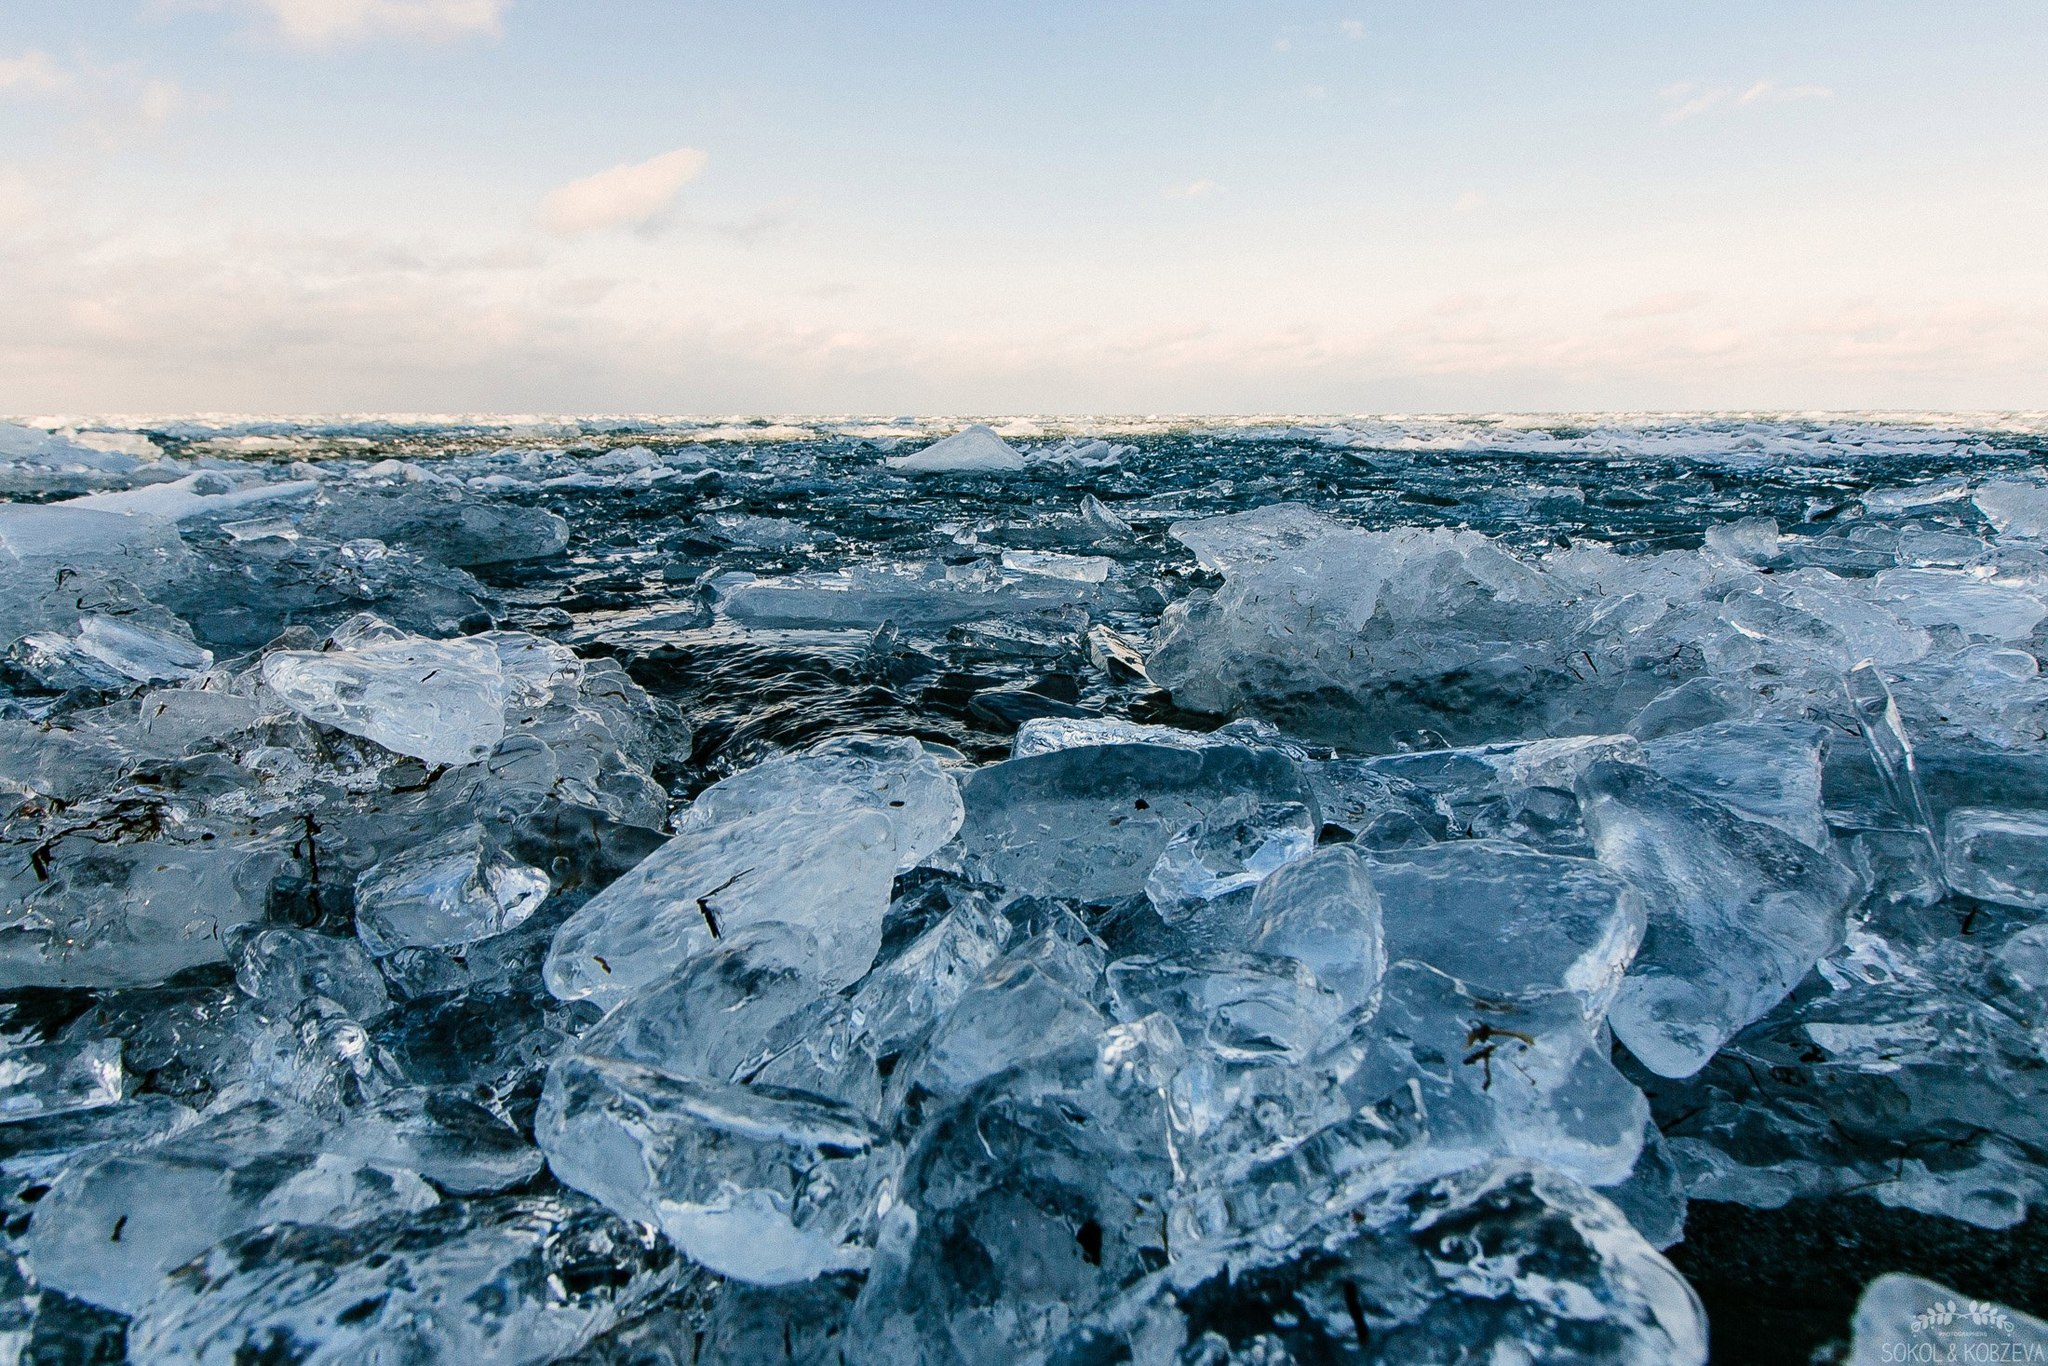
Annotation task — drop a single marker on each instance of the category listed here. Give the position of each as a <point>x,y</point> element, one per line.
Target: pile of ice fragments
<point>368,994</point>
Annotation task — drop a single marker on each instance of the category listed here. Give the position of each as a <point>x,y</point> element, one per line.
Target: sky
<point>890,207</point>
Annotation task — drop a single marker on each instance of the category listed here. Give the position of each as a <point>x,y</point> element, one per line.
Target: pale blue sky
<point>317,205</point>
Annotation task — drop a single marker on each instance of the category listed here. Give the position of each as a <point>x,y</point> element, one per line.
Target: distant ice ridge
<point>584,890</point>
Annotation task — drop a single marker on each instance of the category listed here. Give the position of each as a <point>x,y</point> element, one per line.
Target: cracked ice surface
<point>611,889</point>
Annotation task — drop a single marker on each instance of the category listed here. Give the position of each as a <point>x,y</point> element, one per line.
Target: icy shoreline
<point>1155,892</point>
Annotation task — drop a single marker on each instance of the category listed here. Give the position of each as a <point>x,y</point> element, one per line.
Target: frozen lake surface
<point>857,890</point>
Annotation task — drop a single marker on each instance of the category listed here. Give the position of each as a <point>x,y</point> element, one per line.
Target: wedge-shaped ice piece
<point>1769,770</point>
<point>454,889</point>
<point>1908,1318</point>
<point>523,1279</point>
<point>1091,822</point>
<point>894,776</point>
<point>1052,565</point>
<point>827,873</point>
<point>912,988</point>
<point>1241,539</point>
<point>1105,526</point>
<point>971,450</point>
<point>208,493</point>
<point>139,652</point>
<point>1738,911</point>
<point>758,1183</point>
<point>1999,856</point>
<point>110,1230</point>
<point>1508,922</point>
<point>58,1078</point>
<point>442,701</point>
<point>1508,1262</point>
<point>1324,911</point>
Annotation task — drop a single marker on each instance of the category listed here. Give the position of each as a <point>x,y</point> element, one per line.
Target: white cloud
<point>1352,28</point>
<point>1193,190</point>
<point>99,105</point>
<point>626,196</point>
<point>318,23</point>
<point>34,72</point>
<point>1469,202</point>
<point>1770,92</point>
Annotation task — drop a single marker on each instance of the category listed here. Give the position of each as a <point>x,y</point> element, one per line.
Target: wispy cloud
<point>326,23</point>
<point>104,105</point>
<point>34,72</point>
<point>1469,202</point>
<point>1195,189</point>
<point>1770,92</point>
<point>1690,99</point>
<point>626,196</point>
<point>1352,28</point>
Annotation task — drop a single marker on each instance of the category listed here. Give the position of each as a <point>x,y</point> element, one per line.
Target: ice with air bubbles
<point>618,890</point>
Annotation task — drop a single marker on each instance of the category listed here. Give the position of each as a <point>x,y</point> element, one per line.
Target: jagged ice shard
<point>643,891</point>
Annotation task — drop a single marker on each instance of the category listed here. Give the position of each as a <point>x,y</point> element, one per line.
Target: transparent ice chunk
<point>140,653</point>
<point>1324,911</point>
<point>58,1078</point>
<point>455,888</point>
<point>757,1183</point>
<point>442,701</point>
<point>1738,912</point>
<point>1768,770</point>
<point>1508,922</point>
<point>109,1231</point>
<point>1092,822</point>
<point>1205,877</point>
<point>1999,856</point>
<point>520,1280</point>
<point>893,776</point>
<point>284,967</point>
<point>1080,568</point>
<point>1506,1262</point>
<point>827,873</point>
